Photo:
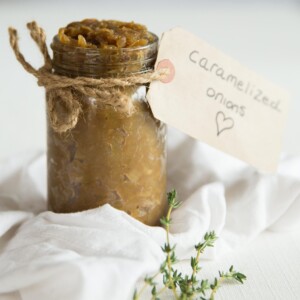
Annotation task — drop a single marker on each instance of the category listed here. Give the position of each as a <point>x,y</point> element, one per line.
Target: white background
<point>263,35</point>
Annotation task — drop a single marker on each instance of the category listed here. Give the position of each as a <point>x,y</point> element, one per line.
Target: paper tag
<point>216,100</point>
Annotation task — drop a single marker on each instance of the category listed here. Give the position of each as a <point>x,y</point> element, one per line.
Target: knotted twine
<point>63,93</point>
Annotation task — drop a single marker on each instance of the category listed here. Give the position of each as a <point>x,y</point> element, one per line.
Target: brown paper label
<point>216,100</point>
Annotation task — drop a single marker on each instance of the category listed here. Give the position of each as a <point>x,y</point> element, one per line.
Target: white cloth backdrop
<point>101,253</point>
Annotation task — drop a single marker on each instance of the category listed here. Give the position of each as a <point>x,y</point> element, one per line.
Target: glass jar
<point>109,156</point>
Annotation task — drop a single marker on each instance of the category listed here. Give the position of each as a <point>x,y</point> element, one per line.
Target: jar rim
<point>76,61</point>
<point>57,42</point>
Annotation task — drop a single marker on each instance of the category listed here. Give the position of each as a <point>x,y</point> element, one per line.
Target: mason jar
<point>110,156</point>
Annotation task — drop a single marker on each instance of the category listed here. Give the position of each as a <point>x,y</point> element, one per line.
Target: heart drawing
<point>223,122</point>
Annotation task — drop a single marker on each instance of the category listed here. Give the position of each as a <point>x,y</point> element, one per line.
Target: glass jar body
<point>110,157</point>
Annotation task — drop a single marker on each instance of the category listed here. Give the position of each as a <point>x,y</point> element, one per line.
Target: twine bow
<point>63,93</point>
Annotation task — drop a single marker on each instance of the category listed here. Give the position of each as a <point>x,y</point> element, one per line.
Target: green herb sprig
<point>185,287</point>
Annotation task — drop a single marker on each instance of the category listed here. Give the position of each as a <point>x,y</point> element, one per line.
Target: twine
<point>63,93</point>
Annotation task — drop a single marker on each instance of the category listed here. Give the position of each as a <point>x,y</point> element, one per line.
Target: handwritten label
<point>215,99</point>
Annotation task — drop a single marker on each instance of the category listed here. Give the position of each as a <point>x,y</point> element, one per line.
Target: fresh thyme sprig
<point>231,274</point>
<point>185,287</point>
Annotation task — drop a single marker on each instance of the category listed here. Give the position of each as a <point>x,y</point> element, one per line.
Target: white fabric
<point>101,253</point>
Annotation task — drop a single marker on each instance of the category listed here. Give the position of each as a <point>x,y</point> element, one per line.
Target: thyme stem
<point>189,286</point>
<point>167,226</point>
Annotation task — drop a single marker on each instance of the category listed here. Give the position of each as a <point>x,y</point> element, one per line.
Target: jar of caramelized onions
<point>109,156</point>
